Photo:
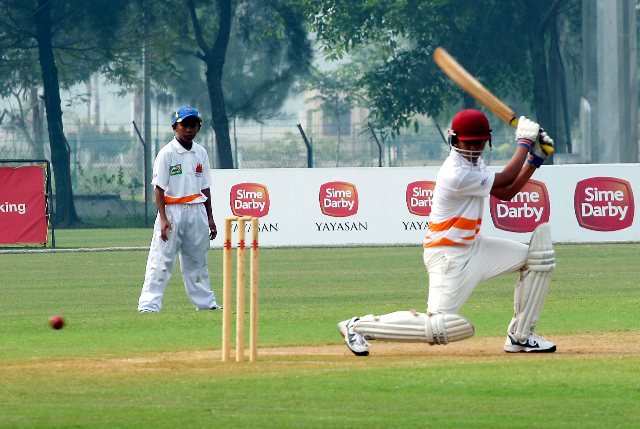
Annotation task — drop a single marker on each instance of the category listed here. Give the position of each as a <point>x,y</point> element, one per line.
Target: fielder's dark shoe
<point>355,341</point>
<point>533,344</point>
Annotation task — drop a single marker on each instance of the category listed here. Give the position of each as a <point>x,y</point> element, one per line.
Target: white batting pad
<point>533,286</point>
<point>411,326</point>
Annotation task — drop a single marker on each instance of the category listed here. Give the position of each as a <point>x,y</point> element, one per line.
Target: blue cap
<point>185,112</point>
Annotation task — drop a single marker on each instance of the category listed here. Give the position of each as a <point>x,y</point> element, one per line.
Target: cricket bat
<point>471,86</point>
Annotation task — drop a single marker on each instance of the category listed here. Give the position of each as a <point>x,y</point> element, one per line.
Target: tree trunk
<point>65,209</point>
<point>219,120</point>
<point>541,92</point>
<point>215,64</point>
<point>540,17</point>
<point>558,87</point>
<point>36,124</point>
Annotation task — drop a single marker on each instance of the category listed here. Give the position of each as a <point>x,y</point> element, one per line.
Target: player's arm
<point>517,172</point>
<point>165,225</point>
<point>507,192</point>
<point>160,182</point>
<point>213,231</point>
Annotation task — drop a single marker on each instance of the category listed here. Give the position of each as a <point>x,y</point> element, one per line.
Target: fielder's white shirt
<point>183,174</point>
<point>458,201</point>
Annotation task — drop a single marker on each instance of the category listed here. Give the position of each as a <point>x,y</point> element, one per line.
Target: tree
<point>247,53</point>
<point>271,49</point>
<point>542,17</point>
<point>503,45</point>
<point>65,208</point>
<point>67,40</point>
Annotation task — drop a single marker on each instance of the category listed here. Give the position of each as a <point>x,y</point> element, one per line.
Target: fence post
<point>375,137</point>
<point>145,172</point>
<point>309,147</point>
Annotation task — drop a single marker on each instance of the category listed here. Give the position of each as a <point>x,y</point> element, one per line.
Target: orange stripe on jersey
<point>456,222</point>
<point>181,200</point>
<point>438,232</point>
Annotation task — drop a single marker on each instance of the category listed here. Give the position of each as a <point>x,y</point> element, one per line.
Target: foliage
<point>86,37</point>
<point>251,77</point>
<point>269,49</point>
<point>68,40</point>
<point>397,73</point>
<point>107,181</point>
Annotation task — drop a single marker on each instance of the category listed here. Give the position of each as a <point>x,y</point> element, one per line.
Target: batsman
<point>458,257</point>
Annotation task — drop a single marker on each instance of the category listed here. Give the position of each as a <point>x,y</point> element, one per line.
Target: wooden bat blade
<point>471,86</point>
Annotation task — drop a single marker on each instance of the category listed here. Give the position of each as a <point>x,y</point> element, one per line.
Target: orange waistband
<point>180,200</point>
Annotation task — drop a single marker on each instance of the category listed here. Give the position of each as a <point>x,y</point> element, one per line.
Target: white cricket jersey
<point>458,201</point>
<point>183,174</point>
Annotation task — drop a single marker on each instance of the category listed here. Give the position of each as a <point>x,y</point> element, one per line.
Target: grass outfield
<point>112,367</point>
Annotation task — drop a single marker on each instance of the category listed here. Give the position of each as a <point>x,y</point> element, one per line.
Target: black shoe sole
<point>352,351</point>
<point>551,350</point>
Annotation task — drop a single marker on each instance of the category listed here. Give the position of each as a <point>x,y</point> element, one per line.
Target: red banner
<point>23,212</point>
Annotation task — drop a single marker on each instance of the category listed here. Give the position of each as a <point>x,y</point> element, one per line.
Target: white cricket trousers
<point>455,271</point>
<point>190,239</point>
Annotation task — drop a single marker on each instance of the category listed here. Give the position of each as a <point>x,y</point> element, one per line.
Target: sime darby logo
<point>249,199</point>
<point>604,203</point>
<point>525,211</point>
<point>338,199</point>
<point>419,195</point>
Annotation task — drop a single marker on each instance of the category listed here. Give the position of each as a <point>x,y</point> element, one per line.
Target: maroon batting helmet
<point>470,124</point>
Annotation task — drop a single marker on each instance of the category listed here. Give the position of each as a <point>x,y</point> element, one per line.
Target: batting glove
<point>544,144</point>
<point>542,148</point>
<point>527,132</point>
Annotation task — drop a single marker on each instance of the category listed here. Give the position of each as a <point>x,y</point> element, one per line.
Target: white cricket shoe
<point>355,341</point>
<point>533,344</point>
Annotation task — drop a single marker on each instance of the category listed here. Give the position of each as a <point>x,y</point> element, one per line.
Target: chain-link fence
<point>280,144</point>
<point>283,145</point>
<point>107,167</point>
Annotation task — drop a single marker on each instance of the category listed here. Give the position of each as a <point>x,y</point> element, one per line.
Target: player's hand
<point>164,229</point>
<point>544,144</point>
<point>541,150</point>
<point>213,230</point>
<point>527,132</point>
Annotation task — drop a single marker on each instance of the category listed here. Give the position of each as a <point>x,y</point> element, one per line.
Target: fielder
<point>184,224</point>
<point>458,257</point>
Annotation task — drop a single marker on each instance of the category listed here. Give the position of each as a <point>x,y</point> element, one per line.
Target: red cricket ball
<point>56,322</point>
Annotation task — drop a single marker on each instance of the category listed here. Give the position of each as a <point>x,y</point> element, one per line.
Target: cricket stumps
<point>227,266</point>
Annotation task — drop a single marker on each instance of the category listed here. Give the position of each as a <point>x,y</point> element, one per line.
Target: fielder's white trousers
<point>189,239</point>
<point>455,271</point>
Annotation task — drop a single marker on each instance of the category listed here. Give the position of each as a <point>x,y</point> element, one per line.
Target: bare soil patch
<point>607,345</point>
